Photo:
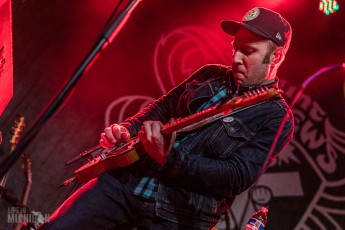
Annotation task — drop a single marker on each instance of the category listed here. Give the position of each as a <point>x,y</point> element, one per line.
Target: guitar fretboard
<point>249,98</point>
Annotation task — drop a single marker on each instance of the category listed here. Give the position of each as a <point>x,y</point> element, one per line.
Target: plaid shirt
<point>147,186</point>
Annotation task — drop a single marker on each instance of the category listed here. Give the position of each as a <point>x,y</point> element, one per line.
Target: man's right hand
<point>113,135</point>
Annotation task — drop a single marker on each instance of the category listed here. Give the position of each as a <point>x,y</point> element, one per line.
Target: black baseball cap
<point>263,22</point>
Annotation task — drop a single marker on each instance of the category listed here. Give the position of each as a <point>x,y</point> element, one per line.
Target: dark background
<point>51,38</point>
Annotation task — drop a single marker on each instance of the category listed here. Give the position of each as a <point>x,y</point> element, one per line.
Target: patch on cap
<point>252,14</point>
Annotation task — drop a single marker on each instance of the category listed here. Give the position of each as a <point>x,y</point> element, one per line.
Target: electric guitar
<point>17,130</point>
<point>130,152</point>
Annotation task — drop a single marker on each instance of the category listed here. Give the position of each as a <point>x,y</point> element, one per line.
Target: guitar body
<point>120,157</point>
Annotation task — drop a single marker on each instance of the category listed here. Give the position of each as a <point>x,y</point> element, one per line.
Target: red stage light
<point>6,59</point>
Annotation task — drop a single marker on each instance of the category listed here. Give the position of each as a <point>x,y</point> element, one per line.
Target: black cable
<point>294,101</point>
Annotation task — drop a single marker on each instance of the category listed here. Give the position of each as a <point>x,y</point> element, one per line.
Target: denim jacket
<point>220,160</point>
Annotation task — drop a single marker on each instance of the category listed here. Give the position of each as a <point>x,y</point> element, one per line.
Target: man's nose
<point>237,57</point>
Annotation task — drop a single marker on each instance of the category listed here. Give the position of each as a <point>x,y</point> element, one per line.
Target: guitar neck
<point>220,110</point>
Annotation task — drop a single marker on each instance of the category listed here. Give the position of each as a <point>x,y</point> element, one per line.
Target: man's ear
<point>278,56</point>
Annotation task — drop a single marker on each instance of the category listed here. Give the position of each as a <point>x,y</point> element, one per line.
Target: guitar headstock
<point>254,96</point>
<point>17,130</point>
<point>263,91</point>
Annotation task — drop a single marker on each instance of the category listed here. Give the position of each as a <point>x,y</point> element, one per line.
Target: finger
<point>115,129</point>
<point>156,128</point>
<point>123,129</point>
<point>109,135</point>
<point>142,138</point>
<point>125,136</point>
<point>104,142</point>
<point>147,130</point>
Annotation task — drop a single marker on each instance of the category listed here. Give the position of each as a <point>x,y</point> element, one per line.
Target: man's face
<point>251,58</point>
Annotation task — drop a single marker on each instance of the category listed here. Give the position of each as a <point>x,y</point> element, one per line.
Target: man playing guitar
<point>187,179</point>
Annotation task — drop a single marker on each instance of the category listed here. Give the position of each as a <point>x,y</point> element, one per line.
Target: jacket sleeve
<point>161,109</point>
<point>167,106</point>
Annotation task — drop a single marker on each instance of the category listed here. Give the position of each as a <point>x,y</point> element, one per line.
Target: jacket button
<point>228,119</point>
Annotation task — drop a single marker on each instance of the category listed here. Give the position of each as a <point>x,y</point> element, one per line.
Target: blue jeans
<point>107,203</point>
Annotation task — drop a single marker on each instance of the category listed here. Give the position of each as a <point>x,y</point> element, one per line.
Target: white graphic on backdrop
<point>321,144</point>
<point>176,56</point>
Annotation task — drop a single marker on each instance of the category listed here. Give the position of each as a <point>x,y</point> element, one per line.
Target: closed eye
<point>245,49</point>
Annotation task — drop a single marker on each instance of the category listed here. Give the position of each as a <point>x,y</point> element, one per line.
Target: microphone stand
<point>108,34</point>
<point>294,101</point>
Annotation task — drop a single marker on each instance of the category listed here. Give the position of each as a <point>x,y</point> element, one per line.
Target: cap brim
<point>231,28</point>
